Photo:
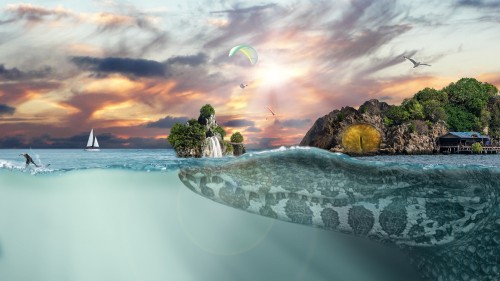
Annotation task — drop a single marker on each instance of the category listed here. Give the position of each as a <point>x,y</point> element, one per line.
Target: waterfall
<point>214,147</point>
<point>217,150</point>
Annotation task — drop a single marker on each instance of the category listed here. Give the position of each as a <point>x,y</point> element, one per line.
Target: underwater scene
<point>284,214</point>
<point>221,140</point>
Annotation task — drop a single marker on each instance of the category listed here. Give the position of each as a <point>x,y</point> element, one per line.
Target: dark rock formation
<point>238,149</point>
<point>413,137</point>
<point>403,139</point>
<point>196,152</point>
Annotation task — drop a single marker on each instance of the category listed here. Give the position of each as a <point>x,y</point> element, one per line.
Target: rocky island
<point>204,137</point>
<point>412,127</point>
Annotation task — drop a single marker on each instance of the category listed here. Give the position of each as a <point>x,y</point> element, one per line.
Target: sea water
<point>125,215</point>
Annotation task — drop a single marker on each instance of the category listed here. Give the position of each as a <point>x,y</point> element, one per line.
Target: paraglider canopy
<point>247,50</point>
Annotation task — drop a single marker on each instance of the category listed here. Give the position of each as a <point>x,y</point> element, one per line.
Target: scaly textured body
<point>447,217</point>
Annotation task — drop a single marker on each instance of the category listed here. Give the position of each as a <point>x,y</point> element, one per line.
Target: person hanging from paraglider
<point>29,160</point>
<point>249,52</point>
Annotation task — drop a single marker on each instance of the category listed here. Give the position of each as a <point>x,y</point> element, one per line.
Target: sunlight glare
<point>275,75</point>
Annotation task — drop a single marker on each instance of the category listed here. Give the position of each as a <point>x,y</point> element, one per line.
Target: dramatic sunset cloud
<point>131,71</point>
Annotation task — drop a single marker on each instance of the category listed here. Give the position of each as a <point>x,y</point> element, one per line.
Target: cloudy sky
<point>132,69</point>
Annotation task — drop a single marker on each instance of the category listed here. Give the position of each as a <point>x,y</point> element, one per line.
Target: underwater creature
<point>446,218</point>
<point>416,63</point>
<point>247,50</point>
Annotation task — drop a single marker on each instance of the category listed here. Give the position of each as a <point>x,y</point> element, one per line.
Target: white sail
<point>92,144</point>
<point>91,138</point>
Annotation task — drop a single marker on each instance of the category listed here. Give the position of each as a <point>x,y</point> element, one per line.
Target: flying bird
<point>243,86</point>
<point>415,63</point>
<point>271,111</point>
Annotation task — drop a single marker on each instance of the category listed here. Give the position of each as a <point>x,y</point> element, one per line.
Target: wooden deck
<point>468,149</point>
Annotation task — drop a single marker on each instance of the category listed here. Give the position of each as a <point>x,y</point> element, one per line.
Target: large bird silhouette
<point>416,63</point>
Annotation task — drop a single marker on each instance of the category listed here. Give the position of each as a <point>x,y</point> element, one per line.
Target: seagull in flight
<point>271,111</point>
<point>415,63</point>
<point>243,86</point>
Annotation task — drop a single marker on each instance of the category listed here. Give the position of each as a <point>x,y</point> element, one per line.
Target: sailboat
<point>92,144</point>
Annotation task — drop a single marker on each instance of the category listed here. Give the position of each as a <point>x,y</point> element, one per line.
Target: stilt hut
<point>456,142</point>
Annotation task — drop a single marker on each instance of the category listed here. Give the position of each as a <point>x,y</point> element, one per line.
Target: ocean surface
<point>125,215</point>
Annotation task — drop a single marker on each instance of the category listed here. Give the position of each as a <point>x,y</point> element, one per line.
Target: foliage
<point>205,112</point>
<point>229,147</point>
<point>466,105</point>
<point>397,115</point>
<point>186,136</point>
<point>237,137</point>
<point>470,94</point>
<point>193,134</point>
<point>220,130</point>
<point>429,94</point>
<point>461,120</point>
<point>388,121</point>
<point>434,111</point>
<point>414,108</point>
<point>477,148</point>
<point>484,118</point>
<point>412,127</point>
<point>494,122</point>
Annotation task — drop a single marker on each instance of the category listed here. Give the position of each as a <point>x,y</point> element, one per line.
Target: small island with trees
<point>414,126</point>
<point>204,137</point>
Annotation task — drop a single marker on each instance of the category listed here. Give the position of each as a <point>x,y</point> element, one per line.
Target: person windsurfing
<point>28,159</point>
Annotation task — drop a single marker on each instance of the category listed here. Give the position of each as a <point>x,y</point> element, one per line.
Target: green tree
<point>396,115</point>
<point>229,147</point>
<point>387,121</point>
<point>221,131</point>
<point>429,94</point>
<point>494,123</point>
<point>477,148</point>
<point>414,108</point>
<point>434,111</point>
<point>237,137</point>
<point>485,118</point>
<point>470,94</point>
<point>461,120</point>
<point>187,136</point>
<point>205,112</point>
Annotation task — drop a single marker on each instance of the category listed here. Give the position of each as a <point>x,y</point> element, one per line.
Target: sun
<point>276,75</point>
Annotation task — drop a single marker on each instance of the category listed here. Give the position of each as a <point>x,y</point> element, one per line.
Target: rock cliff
<point>363,132</point>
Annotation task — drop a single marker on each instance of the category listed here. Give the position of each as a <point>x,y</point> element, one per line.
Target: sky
<point>132,69</point>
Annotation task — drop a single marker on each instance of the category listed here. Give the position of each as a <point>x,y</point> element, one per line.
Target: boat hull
<point>92,149</point>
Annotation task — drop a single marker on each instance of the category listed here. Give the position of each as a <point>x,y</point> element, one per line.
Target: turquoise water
<point>125,215</point>
<point>62,160</point>
<point>490,160</point>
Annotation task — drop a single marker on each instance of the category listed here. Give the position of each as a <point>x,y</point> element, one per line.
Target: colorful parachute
<point>247,50</point>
